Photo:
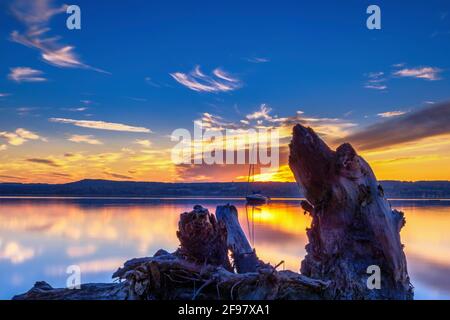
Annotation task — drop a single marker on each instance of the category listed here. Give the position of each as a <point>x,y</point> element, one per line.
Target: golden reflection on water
<point>40,238</point>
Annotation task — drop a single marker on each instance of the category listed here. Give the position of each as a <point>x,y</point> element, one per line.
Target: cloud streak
<point>47,162</point>
<point>376,81</point>
<point>427,73</point>
<point>101,125</point>
<point>424,123</point>
<point>390,114</point>
<point>35,16</point>
<point>196,80</point>
<point>85,139</point>
<point>25,74</point>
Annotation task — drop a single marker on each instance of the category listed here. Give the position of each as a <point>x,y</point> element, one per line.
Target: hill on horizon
<point>111,188</point>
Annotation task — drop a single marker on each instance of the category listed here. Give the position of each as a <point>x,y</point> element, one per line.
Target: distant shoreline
<point>420,190</point>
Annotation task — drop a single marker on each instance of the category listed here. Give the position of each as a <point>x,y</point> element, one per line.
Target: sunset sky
<point>103,101</point>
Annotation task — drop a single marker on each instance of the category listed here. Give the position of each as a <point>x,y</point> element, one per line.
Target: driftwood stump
<point>203,239</point>
<point>353,226</point>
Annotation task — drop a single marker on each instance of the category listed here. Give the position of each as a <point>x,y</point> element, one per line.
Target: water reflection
<point>40,238</point>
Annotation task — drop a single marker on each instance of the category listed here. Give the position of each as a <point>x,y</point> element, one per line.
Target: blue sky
<point>317,57</point>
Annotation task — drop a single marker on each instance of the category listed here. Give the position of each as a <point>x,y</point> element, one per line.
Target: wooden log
<point>244,257</point>
<point>353,226</point>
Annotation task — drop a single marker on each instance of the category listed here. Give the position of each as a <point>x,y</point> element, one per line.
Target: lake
<point>41,237</point>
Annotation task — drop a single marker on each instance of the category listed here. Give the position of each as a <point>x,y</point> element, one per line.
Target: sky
<point>102,102</point>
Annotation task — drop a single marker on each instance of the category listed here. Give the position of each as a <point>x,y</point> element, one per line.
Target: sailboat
<point>256,197</point>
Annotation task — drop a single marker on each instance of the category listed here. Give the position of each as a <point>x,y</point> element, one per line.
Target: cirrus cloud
<point>390,114</point>
<point>196,80</point>
<point>101,125</point>
<point>427,73</point>
<point>25,74</point>
<point>84,139</point>
<point>35,16</point>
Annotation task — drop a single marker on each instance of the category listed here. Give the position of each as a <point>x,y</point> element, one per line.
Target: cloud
<point>4,95</point>
<point>118,176</point>
<point>37,12</point>
<point>258,60</point>
<point>262,113</point>
<point>79,109</point>
<point>390,114</point>
<point>20,136</point>
<point>376,86</point>
<point>143,142</point>
<point>101,125</point>
<point>262,118</point>
<point>25,74</point>
<point>35,16</point>
<point>15,252</point>
<point>84,139</point>
<point>427,73</point>
<point>219,81</point>
<point>427,122</point>
<point>375,81</point>
<point>47,162</point>
<point>152,83</point>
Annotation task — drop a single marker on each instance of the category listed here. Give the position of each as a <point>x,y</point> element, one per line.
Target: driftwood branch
<point>244,257</point>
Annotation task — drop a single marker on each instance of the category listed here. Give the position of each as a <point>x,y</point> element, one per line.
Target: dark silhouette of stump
<point>353,226</point>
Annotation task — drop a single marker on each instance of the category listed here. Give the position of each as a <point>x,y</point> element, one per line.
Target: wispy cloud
<point>20,136</point>
<point>4,94</point>
<point>196,80</point>
<point>84,139</point>
<point>15,252</point>
<point>47,162</point>
<point>376,81</point>
<point>25,74</point>
<point>262,113</point>
<point>151,82</point>
<point>257,60</point>
<point>118,176</point>
<point>262,118</point>
<point>427,122</point>
<point>427,73</point>
<point>36,15</point>
<point>101,125</point>
<point>77,109</point>
<point>390,114</point>
<point>143,142</point>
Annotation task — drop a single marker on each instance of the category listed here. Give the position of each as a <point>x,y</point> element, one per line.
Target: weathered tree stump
<point>203,239</point>
<point>353,226</point>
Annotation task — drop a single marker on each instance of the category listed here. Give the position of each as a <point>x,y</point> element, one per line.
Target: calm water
<point>39,238</point>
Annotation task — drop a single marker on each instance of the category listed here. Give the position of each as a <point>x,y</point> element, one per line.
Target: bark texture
<point>244,257</point>
<point>202,239</point>
<point>353,226</point>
